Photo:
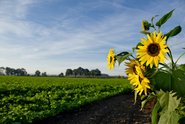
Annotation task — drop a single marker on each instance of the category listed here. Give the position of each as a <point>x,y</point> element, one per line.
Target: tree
<point>61,74</point>
<point>37,73</point>
<point>69,72</point>
<point>44,74</point>
<point>75,72</point>
<point>95,72</point>
<point>20,72</point>
<point>9,71</point>
<point>86,72</point>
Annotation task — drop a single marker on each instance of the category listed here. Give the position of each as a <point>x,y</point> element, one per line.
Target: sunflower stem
<point>180,57</point>
<point>132,56</point>
<point>171,57</point>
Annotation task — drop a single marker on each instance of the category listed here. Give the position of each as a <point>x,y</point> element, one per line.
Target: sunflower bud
<point>145,25</point>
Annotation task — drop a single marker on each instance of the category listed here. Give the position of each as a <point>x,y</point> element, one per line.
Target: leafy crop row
<point>26,99</point>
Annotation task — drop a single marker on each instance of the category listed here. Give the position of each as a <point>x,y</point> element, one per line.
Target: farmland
<point>26,99</point>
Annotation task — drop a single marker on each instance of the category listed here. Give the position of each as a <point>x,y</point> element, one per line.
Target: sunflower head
<point>111,59</point>
<point>139,83</point>
<point>134,67</point>
<point>153,49</point>
<point>143,85</point>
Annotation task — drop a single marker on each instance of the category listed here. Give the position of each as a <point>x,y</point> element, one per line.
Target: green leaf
<point>139,44</point>
<point>164,18</point>
<point>174,32</point>
<point>169,103</point>
<point>122,56</point>
<point>178,83</point>
<point>162,80</point>
<point>169,118</point>
<point>145,25</point>
<point>182,67</point>
<point>154,113</point>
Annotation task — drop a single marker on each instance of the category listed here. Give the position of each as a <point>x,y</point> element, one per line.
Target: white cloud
<point>67,44</point>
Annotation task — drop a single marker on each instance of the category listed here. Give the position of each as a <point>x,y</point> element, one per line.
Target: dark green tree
<point>61,74</point>
<point>44,74</point>
<point>37,73</point>
<point>69,72</point>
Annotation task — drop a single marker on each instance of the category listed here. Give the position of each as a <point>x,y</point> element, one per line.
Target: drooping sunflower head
<point>134,67</point>
<point>111,59</point>
<point>153,49</point>
<point>139,83</point>
<point>143,85</point>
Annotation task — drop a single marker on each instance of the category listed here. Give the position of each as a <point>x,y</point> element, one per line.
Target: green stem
<point>180,57</point>
<point>132,56</point>
<point>171,57</point>
<point>154,73</point>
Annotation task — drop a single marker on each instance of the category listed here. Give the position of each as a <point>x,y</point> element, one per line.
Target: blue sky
<point>53,35</point>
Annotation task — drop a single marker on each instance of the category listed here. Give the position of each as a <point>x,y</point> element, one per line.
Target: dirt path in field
<point>118,109</point>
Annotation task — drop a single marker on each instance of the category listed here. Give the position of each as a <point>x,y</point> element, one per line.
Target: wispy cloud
<point>73,36</point>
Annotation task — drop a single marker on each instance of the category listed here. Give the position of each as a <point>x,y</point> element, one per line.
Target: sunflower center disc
<point>153,49</point>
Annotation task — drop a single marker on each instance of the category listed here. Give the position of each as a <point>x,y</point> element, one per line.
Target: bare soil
<point>119,109</point>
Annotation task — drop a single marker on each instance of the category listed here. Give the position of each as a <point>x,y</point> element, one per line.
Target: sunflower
<point>134,67</point>
<point>145,25</point>
<point>143,85</point>
<point>134,72</point>
<point>153,49</point>
<point>133,79</point>
<point>140,83</point>
<point>111,59</point>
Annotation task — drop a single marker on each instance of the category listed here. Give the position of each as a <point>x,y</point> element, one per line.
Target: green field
<point>26,99</point>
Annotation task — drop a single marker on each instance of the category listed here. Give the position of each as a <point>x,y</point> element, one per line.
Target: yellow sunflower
<point>133,66</point>
<point>134,72</point>
<point>140,83</point>
<point>111,59</point>
<point>143,85</point>
<point>153,49</point>
<point>133,78</point>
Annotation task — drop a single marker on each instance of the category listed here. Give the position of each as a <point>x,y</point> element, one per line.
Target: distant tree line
<point>80,72</point>
<point>19,72</point>
<point>12,71</point>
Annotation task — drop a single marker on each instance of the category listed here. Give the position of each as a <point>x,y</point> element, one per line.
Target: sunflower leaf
<point>154,113</point>
<point>122,56</point>
<point>164,18</point>
<point>169,103</point>
<point>162,80</point>
<point>174,32</point>
<point>178,83</point>
<point>139,44</point>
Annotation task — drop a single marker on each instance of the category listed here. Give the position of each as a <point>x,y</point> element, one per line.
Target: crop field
<point>26,99</point>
